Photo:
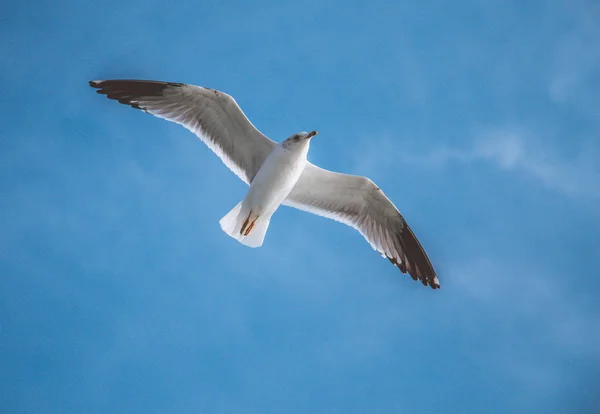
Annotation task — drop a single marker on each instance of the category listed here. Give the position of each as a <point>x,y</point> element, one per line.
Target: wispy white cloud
<point>511,149</point>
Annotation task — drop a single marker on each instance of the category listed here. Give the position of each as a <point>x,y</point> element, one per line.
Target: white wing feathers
<point>358,202</point>
<point>213,116</point>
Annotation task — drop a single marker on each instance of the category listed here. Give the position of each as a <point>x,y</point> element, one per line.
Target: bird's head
<point>299,139</point>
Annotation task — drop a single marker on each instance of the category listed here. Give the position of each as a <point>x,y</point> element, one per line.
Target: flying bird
<point>277,173</point>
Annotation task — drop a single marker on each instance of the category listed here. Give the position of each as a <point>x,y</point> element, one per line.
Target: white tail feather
<point>229,223</point>
<point>233,221</point>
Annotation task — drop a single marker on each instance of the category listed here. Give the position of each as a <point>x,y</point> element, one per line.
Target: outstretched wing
<point>213,116</point>
<point>358,202</point>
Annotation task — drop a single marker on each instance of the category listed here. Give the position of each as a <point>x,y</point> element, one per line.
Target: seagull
<point>277,173</point>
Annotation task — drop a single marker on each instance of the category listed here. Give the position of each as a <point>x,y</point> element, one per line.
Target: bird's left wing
<point>212,115</point>
<point>358,202</point>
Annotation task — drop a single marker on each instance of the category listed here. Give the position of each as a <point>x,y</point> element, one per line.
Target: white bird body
<point>276,178</point>
<point>248,221</point>
<point>277,173</point>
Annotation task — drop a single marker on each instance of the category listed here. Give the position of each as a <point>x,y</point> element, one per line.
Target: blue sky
<point>121,294</point>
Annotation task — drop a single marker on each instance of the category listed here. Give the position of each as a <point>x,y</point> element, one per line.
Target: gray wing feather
<point>359,203</point>
<point>213,116</point>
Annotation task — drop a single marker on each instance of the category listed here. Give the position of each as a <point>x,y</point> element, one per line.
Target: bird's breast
<point>275,179</point>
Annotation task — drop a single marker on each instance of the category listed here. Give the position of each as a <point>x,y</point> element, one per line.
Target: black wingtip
<point>129,92</point>
<point>417,263</point>
<point>431,281</point>
<point>96,84</point>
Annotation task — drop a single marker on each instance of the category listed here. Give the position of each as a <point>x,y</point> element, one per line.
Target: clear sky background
<point>119,293</point>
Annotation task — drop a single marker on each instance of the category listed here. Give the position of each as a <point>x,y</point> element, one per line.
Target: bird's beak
<point>311,134</point>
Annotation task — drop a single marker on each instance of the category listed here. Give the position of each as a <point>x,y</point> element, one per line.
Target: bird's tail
<point>244,226</point>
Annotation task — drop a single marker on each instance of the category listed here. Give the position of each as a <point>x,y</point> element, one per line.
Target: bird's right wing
<point>359,203</point>
<point>213,116</point>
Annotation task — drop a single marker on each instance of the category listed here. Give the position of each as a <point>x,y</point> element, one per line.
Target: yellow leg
<point>250,227</point>
<point>245,224</point>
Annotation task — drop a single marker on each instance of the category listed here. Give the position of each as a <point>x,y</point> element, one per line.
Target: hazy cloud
<point>517,150</point>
